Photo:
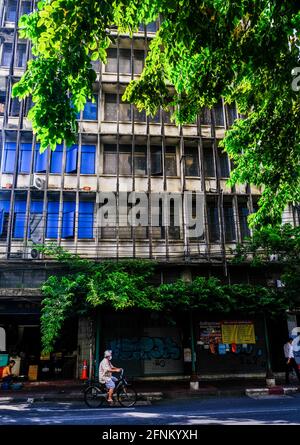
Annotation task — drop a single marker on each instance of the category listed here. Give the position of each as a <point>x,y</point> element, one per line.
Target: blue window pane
<point>40,160</point>
<point>1,221</point>
<point>86,220</point>
<point>20,56</point>
<point>68,221</point>
<point>9,157</point>
<point>56,160</point>
<point>19,220</point>
<point>25,8</point>
<point>90,110</point>
<point>6,54</point>
<point>11,11</point>
<point>24,158</point>
<point>36,207</point>
<point>88,156</point>
<point>52,219</point>
<point>71,162</point>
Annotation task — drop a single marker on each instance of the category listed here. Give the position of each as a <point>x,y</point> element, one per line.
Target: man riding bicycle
<point>105,374</point>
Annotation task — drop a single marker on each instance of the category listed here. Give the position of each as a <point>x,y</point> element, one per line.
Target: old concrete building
<point>56,196</point>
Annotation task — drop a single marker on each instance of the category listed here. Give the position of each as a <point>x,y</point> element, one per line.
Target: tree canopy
<point>241,50</point>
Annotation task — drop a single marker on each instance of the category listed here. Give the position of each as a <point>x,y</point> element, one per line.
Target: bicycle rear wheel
<point>127,396</point>
<point>93,397</point>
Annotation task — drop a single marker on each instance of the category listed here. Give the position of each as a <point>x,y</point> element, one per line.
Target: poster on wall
<point>238,332</point>
<point>210,335</point>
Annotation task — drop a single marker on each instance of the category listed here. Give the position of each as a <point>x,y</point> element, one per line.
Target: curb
<point>275,390</point>
<point>143,398</point>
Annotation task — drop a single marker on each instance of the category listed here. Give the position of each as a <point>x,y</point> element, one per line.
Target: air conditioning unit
<point>38,182</point>
<point>31,253</point>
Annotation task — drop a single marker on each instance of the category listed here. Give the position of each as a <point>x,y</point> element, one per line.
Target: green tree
<point>242,50</point>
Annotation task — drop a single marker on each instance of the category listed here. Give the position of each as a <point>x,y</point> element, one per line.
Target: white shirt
<point>288,350</point>
<point>105,370</point>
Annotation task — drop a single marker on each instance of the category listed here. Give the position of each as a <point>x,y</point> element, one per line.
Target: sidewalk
<point>148,392</point>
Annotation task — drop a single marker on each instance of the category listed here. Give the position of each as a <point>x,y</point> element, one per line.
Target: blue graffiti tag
<point>145,348</point>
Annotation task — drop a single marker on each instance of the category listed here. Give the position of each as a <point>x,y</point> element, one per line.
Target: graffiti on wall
<point>145,348</point>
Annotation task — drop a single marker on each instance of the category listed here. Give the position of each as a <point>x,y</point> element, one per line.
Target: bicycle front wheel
<point>93,397</point>
<point>127,396</point>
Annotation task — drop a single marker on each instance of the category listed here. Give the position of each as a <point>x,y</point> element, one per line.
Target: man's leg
<point>287,373</point>
<point>110,385</point>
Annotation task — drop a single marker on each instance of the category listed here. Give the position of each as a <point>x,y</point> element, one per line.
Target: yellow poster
<point>33,372</point>
<point>238,332</point>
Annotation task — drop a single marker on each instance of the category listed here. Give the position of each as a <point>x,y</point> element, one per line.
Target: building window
<point>139,116</point>
<point>4,214</point>
<point>90,112</point>
<point>151,27</point>
<point>140,160</point>
<point>111,109</point>
<point>68,219</point>
<point>173,230</point>
<point>213,221</point>
<point>2,100</point>
<point>224,164</point>
<point>40,165</point>
<point>25,157</point>
<point>229,222</point>
<point>191,161</point>
<point>9,157</point>
<point>243,215</point>
<point>71,159</point>
<point>25,8</point>
<point>86,220</point>
<point>156,160</point>
<point>6,54</point>
<point>219,114</point>
<point>232,114</point>
<point>36,224</point>
<point>20,60</point>
<point>111,160</point>
<point>11,11</point>
<point>170,161</point>
<point>138,61</point>
<point>56,159</point>
<point>19,219</point>
<point>209,164</point>
<point>88,159</point>
<point>125,66</point>
<point>52,219</point>
<point>205,116</point>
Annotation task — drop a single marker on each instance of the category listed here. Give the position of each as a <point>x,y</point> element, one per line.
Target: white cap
<point>107,353</point>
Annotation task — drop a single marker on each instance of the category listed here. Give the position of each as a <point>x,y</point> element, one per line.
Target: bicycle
<point>95,394</point>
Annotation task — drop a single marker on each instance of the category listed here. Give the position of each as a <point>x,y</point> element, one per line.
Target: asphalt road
<point>269,410</point>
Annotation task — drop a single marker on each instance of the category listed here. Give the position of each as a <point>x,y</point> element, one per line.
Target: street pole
<point>270,379</point>
<point>194,383</point>
<point>97,348</point>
